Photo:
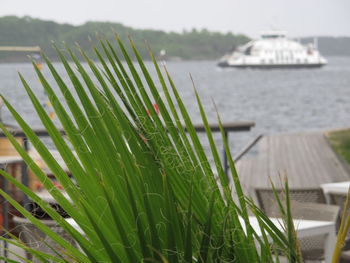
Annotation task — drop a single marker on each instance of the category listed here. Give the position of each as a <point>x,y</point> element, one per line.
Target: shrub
<point>144,189</point>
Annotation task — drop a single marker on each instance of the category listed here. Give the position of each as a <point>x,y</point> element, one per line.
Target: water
<point>277,100</point>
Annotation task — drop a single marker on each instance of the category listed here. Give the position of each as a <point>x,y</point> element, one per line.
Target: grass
<point>145,190</point>
<point>340,142</point>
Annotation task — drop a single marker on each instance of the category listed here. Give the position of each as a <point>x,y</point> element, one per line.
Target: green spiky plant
<point>145,190</point>
<point>343,230</point>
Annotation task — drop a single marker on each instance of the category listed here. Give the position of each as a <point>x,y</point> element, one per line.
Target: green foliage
<point>343,231</point>
<point>187,45</point>
<point>145,190</point>
<point>340,141</point>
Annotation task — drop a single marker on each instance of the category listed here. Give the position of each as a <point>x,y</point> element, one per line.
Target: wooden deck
<point>306,158</point>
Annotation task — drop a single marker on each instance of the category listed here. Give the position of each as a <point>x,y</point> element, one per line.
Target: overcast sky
<point>298,17</point>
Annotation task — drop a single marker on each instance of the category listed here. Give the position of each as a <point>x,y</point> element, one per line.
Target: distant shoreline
<point>27,61</point>
<point>188,45</point>
<point>194,44</point>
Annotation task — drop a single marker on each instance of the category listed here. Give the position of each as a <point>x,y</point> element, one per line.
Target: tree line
<point>193,44</point>
<point>187,45</point>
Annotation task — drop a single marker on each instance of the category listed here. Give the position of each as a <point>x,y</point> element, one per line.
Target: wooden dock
<point>306,158</point>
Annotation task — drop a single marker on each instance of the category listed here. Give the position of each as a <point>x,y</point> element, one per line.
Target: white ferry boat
<point>274,50</point>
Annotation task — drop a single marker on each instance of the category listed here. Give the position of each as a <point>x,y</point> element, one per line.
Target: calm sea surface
<point>277,100</point>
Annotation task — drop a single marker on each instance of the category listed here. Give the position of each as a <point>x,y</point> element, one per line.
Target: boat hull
<point>274,50</point>
<point>271,66</point>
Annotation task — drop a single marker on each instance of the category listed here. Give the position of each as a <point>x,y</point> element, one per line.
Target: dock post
<point>225,157</point>
<point>25,177</point>
<point>5,214</point>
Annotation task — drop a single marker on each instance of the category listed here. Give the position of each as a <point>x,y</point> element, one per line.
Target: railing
<point>228,127</point>
<point>35,49</point>
<point>246,149</point>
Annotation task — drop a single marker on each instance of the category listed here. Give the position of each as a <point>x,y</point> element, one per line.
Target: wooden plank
<point>306,158</point>
<point>328,163</point>
<point>6,147</point>
<point>244,170</point>
<point>311,158</point>
<point>10,159</point>
<point>229,126</point>
<point>303,166</point>
<point>250,176</point>
<point>290,151</point>
<point>263,164</point>
<point>275,161</point>
<point>333,159</point>
<point>320,163</point>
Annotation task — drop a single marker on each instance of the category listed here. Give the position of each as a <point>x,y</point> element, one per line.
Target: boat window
<point>272,36</point>
<point>248,50</point>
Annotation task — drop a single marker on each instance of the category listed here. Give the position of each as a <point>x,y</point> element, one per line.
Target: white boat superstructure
<point>273,49</point>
